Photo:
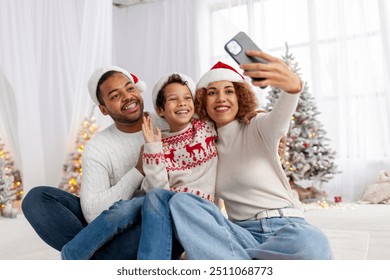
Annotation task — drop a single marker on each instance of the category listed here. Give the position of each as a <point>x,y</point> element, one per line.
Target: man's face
<point>122,101</point>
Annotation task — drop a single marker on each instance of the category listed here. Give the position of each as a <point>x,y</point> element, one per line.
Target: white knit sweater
<point>250,177</point>
<point>109,172</point>
<point>189,163</point>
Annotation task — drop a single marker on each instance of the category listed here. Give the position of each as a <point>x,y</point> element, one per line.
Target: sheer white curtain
<point>153,39</point>
<point>343,48</point>
<point>8,117</point>
<point>48,49</point>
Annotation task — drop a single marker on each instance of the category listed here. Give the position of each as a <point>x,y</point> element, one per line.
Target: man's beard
<point>128,120</point>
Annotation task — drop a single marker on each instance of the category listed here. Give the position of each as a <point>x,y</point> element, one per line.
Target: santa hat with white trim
<point>163,80</point>
<point>96,76</point>
<point>220,72</point>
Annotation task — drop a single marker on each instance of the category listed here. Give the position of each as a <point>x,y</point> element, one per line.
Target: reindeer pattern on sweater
<point>188,163</point>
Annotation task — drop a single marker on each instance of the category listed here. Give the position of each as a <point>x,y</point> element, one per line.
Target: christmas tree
<point>72,170</point>
<point>308,155</point>
<point>11,188</point>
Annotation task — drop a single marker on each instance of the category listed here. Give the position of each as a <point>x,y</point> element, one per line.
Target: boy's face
<point>179,106</point>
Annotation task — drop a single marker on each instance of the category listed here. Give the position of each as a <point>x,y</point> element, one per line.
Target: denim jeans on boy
<point>157,240</point>
<point>57,218</point>
<point>122,215</point>
<point>205,234</point>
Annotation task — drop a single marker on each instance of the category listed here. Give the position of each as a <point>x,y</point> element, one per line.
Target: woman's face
<point>221,102</point>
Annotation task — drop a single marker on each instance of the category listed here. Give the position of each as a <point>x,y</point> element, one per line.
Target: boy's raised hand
<point>149,134</point>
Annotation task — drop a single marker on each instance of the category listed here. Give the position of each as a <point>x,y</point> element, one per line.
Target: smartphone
<point>237,46</point>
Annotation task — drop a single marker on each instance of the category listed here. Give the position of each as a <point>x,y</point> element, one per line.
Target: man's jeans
<point>57,218</point>
<point>157,240</point>
<point>122,215</point>
<point>206,234</point>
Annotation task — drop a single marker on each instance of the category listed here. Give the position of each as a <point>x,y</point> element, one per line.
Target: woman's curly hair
<point>247,101</point>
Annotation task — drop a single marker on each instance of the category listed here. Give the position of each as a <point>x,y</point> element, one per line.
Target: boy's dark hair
<point>102,79</point>
<point>172,79</point>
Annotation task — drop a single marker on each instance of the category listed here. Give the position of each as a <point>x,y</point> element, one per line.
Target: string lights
<point>11,187</point>
<point>72,169</point>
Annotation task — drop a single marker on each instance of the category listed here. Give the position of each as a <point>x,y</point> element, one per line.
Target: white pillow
<point>377,193</point>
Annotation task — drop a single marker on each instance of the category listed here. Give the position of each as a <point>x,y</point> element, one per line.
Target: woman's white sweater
<point>250,177</point>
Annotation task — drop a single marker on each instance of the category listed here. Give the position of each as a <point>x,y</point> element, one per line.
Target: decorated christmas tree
<point>11,188</point>
<point>72,170</point>
<point>308,155</point>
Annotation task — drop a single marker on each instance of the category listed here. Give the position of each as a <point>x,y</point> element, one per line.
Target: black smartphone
<point>237,46</point>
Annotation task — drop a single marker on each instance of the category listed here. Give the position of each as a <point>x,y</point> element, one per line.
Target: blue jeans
<point>157,239</point>
<point>57,218</point>
<point>121,216</point>
<point>206,234</point>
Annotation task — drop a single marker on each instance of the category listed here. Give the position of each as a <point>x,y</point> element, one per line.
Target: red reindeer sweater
<point>188,163</point>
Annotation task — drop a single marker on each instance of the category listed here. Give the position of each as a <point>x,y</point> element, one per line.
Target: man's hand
<point>250,115</point>
<point>149,134</point>
<point>282,146</point>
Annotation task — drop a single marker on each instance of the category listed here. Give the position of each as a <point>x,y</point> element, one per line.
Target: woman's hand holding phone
<point>275,73</point>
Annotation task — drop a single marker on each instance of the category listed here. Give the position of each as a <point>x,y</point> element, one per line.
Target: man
<point>112,170</point>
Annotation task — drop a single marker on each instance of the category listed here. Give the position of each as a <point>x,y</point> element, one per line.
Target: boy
<point>182,160</point>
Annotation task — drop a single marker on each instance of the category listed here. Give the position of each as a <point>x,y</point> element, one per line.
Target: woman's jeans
<point>206,234</point>
<point>57,218</point>
<point>157,239</point>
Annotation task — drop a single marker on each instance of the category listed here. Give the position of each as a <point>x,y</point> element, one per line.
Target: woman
<point>265,221</point>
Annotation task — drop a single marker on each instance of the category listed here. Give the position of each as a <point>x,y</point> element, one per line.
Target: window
<point>343,49</point>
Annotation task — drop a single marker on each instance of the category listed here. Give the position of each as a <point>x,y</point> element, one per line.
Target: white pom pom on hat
<point>162,81</point>
<point>220,72</point>
<point>98,73</point>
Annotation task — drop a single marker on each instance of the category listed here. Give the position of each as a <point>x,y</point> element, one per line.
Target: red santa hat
<point>220,72</point>
<point>95,77</point>
<point>162,81</point>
